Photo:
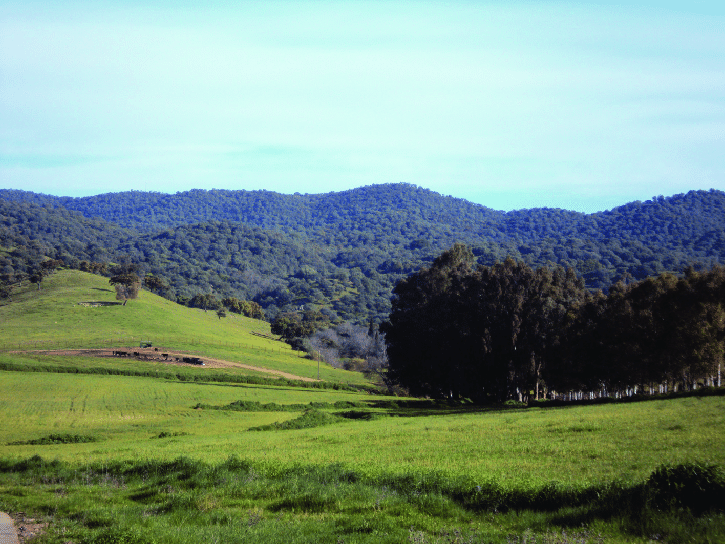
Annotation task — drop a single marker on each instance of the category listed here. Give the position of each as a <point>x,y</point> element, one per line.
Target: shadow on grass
<point>682,503</point>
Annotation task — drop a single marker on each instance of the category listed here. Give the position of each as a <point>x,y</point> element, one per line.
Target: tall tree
<point>484,333</point>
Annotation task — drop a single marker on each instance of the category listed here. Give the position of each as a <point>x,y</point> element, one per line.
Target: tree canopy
<point>344,252</point>
<point>507,331</point>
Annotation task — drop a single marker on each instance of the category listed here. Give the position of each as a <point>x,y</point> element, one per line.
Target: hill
<point>77,310</point>
<point>343,252</point>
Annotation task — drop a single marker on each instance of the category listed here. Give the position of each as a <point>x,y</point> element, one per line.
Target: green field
<point>55,317</point>
<point>577,445</point>
<point>162,456</point>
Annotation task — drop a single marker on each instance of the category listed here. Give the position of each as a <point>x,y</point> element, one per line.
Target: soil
<point>27,528</point>
<point>155,354</point>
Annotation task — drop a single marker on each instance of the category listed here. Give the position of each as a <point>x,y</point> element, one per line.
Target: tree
<point>154,283</point>
<point>127,286</point>
<point>346,345</point>
<point>423,334</point>
<point>483,333</point>
<point>247,308</point>
<point>50,265</point>
<point>221,312</point>
<point>36,277</point>
<point>206,301</point>
<point>294,327</point>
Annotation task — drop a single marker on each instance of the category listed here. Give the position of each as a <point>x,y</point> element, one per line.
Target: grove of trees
<point>507,331</point>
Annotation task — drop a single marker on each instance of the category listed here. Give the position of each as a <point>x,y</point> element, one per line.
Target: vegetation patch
<point>309,419</point>
<point>361,415</point>
<point>186,501</point>
<point>170,434</point>
<point>255,406</point>
<point>61,438</point>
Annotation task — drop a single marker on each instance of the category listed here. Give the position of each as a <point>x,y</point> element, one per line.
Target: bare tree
<point>340,345</point>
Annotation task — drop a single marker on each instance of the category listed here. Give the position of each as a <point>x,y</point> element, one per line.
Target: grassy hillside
<point>77,310</point>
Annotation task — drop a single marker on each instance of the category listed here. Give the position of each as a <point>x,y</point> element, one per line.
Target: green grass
<point>418,471</point>
<point>52,318</point>
<point>577,445</point>
<point>168,454</point>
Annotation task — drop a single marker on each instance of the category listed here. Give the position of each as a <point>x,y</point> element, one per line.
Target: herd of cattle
<point>138,354</point>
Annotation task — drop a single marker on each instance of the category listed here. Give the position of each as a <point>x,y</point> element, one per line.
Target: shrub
<point>56,439</point>
<point>311,418</point>
<point>696,486</point>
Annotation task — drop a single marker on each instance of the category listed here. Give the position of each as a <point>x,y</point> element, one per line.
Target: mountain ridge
<point>345,251</point>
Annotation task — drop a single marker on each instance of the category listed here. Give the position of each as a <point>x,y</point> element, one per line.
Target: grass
<point>517,447</point>
<point>53,318</point>
<point>234,501</point>
<point>163,469</point>
<point>167,455</point>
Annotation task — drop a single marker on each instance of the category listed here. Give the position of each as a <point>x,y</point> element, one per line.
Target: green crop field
<point>110,450</point>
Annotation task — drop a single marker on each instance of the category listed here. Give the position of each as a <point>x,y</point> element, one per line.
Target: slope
<point>78,310</point>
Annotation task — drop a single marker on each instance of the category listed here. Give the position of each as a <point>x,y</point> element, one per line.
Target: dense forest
<point>341,254</point>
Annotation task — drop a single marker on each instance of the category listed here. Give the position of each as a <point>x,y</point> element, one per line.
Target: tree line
<point>508,331</point>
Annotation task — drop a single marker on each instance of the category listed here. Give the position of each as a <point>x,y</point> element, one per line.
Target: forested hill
<point>344,251</point>
<point>357,209</point>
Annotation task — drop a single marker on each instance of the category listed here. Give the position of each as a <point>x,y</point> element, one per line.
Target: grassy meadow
<point>173,454</point>
<point>56,317</point>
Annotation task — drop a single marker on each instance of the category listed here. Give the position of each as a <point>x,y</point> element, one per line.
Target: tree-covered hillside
<point>345,251</point>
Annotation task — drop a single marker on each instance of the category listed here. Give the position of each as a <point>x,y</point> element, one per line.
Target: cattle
<point>193,361</point>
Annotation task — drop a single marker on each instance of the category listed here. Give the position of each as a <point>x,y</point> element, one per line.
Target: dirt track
<point>151,354</point>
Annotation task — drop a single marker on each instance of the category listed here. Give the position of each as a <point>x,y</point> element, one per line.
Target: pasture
<point>175,455</point>
<point>516,447</point>
<point>77,310</point>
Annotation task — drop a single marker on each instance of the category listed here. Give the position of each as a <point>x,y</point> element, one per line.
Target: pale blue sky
<point>578,105</point>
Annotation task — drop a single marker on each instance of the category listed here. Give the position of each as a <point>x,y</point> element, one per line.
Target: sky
<point>510,104</point>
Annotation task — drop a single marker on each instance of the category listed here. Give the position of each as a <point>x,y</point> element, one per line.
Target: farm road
<point>149,354</point>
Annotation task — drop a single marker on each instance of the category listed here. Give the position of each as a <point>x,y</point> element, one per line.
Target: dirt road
<point>151,354</point>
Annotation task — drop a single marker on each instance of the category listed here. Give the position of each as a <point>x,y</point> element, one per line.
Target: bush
<point>310,418</point>
<point>56,439</point>
<point>696,486</point>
